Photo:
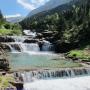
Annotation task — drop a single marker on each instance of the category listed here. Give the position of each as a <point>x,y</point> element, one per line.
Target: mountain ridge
<point>48,6</point>
<point>14,19</point>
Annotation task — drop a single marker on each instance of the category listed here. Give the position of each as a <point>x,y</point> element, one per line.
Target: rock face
<point>4,63</point>
<point>63,47</point>
<point>5,47</point>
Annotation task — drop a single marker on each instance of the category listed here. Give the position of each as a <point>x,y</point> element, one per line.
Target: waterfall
<point>50,74</point>
<point>18,38</point>
<point>11,48</point>
<point>46,46</point>
<point>30,47</point>
<point>19,46</point>
<point>29,33</point>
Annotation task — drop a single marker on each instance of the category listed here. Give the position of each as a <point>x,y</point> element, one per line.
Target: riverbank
<point>79,55</point>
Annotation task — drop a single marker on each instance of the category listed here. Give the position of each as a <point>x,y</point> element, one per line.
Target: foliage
<point>10,32</point>
<point>82,54</point>
<point>7,28</point>
<point>71,21</point>
<point>4,81</point>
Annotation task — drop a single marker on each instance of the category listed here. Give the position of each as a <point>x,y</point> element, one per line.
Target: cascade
<point>21,47</point>
<point>30,47</point>
<point>30,33</point>
<point>46,46</point>
<point>11,48</point>
<point>18,45</point>
<point>18,38</point>
<point>50,74</point>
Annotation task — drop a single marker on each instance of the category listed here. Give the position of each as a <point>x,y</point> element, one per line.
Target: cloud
<point>26,5</point>
<point>9,16</point>
<point>31,4</point>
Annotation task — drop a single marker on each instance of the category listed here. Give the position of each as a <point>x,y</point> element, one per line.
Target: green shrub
<point>82,54</point>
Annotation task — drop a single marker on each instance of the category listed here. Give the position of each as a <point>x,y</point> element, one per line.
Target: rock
<point>47,33</point>
<point>31,41</point>
<point>63,47</point>
<point>5,47</point>
<point>4,64</point>
<point>18,85</point>
<point>6,39</point>
<point>39,35</point>
<point>16,47</point>
<point>40,43</point>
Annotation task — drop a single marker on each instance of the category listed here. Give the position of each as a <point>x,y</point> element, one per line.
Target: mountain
<point>48,6</point>
<point>66,26</point>
<point>64,5</point>
<point>14,19</point>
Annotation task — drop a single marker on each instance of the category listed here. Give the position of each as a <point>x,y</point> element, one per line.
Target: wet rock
<point>16,47</point>
<point>47,33</point>
<point>39,35</point>
<point>30,41</point>
<point>5,47</point>
<point>18,85</point>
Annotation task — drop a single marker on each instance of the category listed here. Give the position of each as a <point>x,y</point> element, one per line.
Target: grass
<point>82,54</point>
<point>67,64</point>
<point>10,32</point>
<point>4,81</point>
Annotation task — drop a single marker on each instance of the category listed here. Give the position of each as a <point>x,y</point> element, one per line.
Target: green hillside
<point>70,21</point>
<point>7,28</point>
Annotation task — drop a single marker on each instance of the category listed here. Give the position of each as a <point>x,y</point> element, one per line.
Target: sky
<point>13,8</point>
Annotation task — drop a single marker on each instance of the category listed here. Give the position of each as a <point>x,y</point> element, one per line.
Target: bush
<point>82,54</point>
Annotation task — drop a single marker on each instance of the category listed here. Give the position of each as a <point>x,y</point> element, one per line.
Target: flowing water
<point>57,79</point>
<point>28,56</point>
<point>77,83</point>
<point>46,74</point>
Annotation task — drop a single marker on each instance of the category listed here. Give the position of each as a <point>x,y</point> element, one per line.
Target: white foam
<point>78,83</point>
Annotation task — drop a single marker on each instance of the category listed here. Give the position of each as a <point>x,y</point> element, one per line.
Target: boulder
<point>16,47</point>
<point>39,36</point>
<point>18,85</point>
<point>47,34</point>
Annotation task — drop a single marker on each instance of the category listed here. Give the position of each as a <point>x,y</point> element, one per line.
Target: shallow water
<point>33,60</point>
<point>78,83</point>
